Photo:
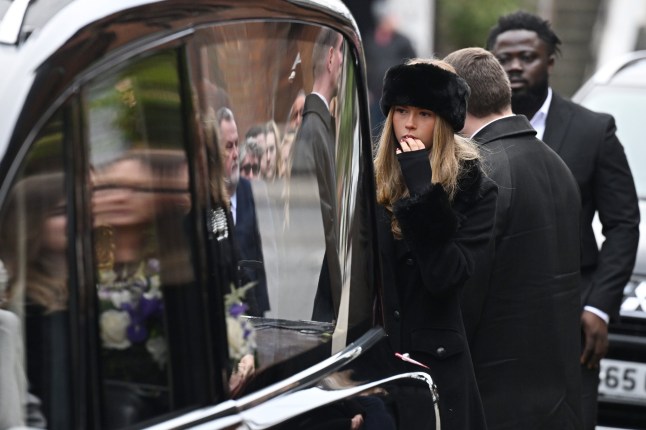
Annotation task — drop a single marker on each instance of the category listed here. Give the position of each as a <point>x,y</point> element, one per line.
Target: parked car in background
<point>619,88</point>
<point>124,302</point>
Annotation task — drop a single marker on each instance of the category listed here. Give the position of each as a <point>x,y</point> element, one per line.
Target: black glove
<point>416,168</point>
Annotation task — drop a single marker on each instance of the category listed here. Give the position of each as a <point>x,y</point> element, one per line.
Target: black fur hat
<point>427,86</point>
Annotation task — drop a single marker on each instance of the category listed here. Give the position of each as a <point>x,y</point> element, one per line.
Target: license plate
<point>622,381</point>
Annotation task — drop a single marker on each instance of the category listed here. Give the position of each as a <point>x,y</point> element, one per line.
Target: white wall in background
<point>416,21</point>
<point>619,34</point>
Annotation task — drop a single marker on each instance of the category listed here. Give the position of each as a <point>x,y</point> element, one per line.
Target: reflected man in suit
<point>314,153</point>
<point>527,47</point>
<point>243,211</point>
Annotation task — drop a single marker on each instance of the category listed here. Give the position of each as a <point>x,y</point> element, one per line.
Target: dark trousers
<point>589,392</point>
<point>589,377</point>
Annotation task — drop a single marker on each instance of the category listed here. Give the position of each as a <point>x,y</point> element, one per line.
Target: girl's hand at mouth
<point>409,143</point>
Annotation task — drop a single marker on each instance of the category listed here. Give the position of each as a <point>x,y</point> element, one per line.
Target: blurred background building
<point>592,31</point>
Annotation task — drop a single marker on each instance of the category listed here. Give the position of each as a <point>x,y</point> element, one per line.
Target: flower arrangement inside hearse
<point>241,338</point>
<point>127,250</point>
<point>131,318</point>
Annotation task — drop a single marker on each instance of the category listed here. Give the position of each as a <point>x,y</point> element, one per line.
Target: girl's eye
<point>400,110</point>
<point>426,113</point>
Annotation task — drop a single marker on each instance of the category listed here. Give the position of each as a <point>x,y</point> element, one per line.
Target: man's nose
<point>514,65</point>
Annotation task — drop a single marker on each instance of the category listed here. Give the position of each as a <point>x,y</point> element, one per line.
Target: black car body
<point>619,88</point>
<point>124,302</point>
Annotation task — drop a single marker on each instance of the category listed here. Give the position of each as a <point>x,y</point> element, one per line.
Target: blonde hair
<point>448,153</point>
<point>272,127</point>
<point>217,189</point>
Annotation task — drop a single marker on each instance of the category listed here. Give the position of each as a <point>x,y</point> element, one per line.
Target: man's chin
<point>518,87</point>
<point>525,103</point>
<point>232,182</point>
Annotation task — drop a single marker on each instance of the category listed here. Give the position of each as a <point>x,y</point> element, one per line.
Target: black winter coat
<point>521,311</point>
<point>423,276</point>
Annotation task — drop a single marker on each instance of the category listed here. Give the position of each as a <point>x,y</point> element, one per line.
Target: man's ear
<point>551,60</point>
<point>330,58</point>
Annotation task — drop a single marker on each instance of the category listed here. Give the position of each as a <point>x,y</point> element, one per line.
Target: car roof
<point>33,15</point>
<point>626,70</point>
<point>57,41</point>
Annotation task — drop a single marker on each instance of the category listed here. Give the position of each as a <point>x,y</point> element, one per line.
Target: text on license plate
<point>622,380</point>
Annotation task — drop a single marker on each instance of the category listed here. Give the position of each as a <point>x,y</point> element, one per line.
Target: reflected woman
<point>33,246</point>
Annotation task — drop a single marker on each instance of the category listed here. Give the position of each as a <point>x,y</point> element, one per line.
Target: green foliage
<point>465,23</point>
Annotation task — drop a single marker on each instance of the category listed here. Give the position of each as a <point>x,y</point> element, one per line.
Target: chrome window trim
<point>245,410</point>
<point>300,380</point>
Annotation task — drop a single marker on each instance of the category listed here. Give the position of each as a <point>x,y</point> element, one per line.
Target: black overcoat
<point>423,275</point>
<point>521,310</point>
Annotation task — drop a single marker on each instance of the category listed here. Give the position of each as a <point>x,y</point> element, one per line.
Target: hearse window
<point>145,281</point>
<point>34,290</point>
<point>280,100</point>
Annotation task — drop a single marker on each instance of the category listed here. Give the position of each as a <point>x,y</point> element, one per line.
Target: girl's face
<point>54,235</point>
<point>269,160</point>
<point>123,194</point>
<point>415,123</point>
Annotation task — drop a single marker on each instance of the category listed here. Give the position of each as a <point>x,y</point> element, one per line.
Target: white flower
<point>113,329</point>
<point>107,276</point>
<point>155,291</point>
<point>235,338</point>
<point>120,297</point>
<point>158,349</point>
<point>240,346</point>
<point>155,282</point>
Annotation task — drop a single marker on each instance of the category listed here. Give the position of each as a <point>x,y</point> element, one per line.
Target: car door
<point>141,288</point>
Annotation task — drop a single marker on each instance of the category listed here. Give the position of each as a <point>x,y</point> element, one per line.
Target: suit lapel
<point>558,121</point>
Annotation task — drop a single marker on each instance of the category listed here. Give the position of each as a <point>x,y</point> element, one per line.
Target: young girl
<point>435,224</point>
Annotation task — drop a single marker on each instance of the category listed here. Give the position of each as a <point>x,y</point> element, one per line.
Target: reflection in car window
<point>296,215</point>
<point>34,295</point>
<point>140,198</point>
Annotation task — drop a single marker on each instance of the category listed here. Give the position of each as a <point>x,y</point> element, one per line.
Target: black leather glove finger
<point>416,168</point>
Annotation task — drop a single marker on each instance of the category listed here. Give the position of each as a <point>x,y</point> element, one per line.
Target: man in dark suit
<point>314,154</point>
<point>521,308</point>
<point>526,46</point>
<point>243,211</point>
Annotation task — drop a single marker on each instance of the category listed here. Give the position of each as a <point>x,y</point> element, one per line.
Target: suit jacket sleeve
<point>618,208</point>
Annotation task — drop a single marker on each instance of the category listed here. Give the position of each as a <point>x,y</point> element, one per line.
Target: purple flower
<point>149,307</point>
<point>128,308</point>
<point>137,333</point>
<point>237,309</point>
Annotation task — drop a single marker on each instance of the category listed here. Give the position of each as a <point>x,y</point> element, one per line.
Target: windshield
<point>627,105</point>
